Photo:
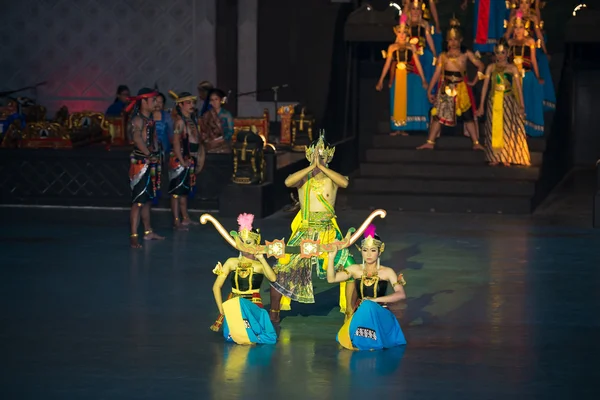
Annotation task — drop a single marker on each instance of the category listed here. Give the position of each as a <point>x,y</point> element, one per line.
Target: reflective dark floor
<point>499,307</point>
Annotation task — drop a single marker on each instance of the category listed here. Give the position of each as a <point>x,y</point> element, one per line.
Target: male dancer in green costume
<point>317,189</point>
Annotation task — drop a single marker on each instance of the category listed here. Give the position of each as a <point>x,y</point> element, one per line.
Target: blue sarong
<point>372,327</point>
<point>533,94</point>
<point>247,323</point>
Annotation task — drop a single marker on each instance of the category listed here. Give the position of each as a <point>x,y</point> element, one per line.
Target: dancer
<point>405,70</point>
<point>373,326</point>
<point>317,188</point>
<point>430,15</point>
<point>184,158</point>
<point>145,169</point>
<point>523,50</point>
<point>242,316</point>
<point>504,128</point>
<point>489,17</point>
<point>454,99</point>
<point>420,37</point>
<point>531,15</point>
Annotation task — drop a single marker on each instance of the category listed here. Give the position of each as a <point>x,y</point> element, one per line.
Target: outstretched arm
<point>332,275</point>
<point>398,295</point>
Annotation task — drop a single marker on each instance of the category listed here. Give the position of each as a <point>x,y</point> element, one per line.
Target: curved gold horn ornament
<point>358,234</point>
<point>353,235</point>
<point>209,218</point>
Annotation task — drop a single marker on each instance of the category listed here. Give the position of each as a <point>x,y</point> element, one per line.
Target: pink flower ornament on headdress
<point>245,227</point>
<point>370,240</point>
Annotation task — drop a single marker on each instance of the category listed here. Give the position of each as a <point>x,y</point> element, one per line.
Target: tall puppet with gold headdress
<point>372,326</point>
<point>242,316</point>
<point>454,100</point>
<point>504,128</point>
<point>523,49</point>
<point>183,162</point>
<point>407,80</point>
<point>317,189</point>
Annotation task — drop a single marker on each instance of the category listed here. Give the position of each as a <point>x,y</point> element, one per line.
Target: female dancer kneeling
<point>372,326</point>
<point>243,319</point>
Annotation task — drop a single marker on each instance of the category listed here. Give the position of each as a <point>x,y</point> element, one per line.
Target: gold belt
<point>244,293</point>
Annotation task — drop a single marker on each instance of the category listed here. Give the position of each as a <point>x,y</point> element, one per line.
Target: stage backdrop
<point>84,49</point>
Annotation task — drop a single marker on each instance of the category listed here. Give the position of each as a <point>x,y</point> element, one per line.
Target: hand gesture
<point>541,81</point>
<point>425,85</point>
<point>431,98</point>
<point>479,112</point>
<point>379,86</point>
<point>260,256</point>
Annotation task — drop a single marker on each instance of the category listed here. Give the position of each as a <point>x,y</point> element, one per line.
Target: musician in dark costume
<point>183,162</point>
<point>145,166</point>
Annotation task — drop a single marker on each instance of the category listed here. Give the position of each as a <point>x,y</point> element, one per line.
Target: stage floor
<point>498,307</point>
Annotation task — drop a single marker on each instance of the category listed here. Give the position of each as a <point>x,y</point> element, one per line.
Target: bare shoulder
<point>387,273</point>
<point>231,264</point>
<point>392,47</point>
<point>136,121</point>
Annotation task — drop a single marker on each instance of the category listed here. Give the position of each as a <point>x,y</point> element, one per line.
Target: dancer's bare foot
<point>493,164</point>
<point>396,133</point>
<point>187,221</point>
<point>506,164</point>
<point>477,146</point>
<point>274,316</point>
<point>149,235</point>
<point>133,241</point>
<point>427,146</point>
<point>179,226</point>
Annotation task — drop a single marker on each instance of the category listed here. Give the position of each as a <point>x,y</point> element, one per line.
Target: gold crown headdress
<point>370,240</point>
<point>245,232</point>
<point>454,31</point>
<point>321,147</point>
<point>418,5</point>
<point>520,21</point>
<point>501,46</point>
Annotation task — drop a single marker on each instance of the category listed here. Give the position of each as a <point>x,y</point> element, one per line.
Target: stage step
<point>439,203</point>
<point>437,156</point>
<point>480,172</point>
<point>385,141</point>
<point>365,185</point>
